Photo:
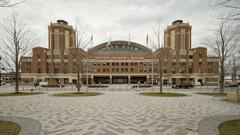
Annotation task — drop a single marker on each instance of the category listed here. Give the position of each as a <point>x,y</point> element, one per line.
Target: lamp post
<point>0,72</point>
<point>87,70</point>
<point>152,72</point>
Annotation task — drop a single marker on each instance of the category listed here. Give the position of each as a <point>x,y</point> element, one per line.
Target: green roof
<point>120,47</point>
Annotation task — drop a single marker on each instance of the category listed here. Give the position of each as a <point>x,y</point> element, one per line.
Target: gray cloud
<point>119,17</point>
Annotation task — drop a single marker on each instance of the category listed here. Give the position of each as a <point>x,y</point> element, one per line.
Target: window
<point>182,56</point>
<point>57,56</point>
<point>65,68</point>
<point>56,39</point>
<point>182,39</point>
<point>56,70</point>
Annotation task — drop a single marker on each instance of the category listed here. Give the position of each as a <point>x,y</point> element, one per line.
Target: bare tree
<point>235,68</point>
<point>224,44</point>
<point>80,44</point>
<point>9,3</point>
<point>15,43</point>
<point>233,6</point>
<point>160,54</point>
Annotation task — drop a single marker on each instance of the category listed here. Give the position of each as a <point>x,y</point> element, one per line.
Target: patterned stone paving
<point>117,113</point>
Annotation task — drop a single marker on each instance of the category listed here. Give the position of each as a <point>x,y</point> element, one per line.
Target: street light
<point>152,71</point>
<point>1,71</point>
<point>87,69</point>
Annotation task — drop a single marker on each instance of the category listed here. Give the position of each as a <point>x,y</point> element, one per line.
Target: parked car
<point>43,83</point>
<point>2,83</point>
<point>231,84</point>
<point>182,85</point>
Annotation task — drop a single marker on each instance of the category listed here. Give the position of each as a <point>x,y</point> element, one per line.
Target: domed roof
<point>120,47</point>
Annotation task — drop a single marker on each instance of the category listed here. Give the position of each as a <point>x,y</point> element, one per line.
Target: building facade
<point>120,62</point>
<point>187,63</point>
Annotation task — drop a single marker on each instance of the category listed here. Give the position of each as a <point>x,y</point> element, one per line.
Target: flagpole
<point>152,70</point>
<point>152,63</point>
<point>129,43</point>
<point>87,70</point>
<point>91,41</point>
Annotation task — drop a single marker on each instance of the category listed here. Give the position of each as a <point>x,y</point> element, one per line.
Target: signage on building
<point>120,58</point>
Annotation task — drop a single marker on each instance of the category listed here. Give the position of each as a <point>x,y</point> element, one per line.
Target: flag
<point>91,40</point>
<point>147,40</point>
<point>129,42</point>
<point>109,41</point>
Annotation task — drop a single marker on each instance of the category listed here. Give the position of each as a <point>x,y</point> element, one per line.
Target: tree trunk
<point>222,78</point>
<point>17,75</point>
<point>78,83</point>
<point>160,73</point>
<point>78,72</point>
<point>161,83</point>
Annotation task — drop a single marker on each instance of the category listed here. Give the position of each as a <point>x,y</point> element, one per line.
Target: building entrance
<point>101,79</point>
<point>137,79</point>
<point>119,79</point>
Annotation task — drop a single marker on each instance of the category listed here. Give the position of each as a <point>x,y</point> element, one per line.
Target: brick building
<point>120,61</point>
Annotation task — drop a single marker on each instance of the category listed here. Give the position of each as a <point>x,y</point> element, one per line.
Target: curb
<point>28,126</point>
<point>209,126</point>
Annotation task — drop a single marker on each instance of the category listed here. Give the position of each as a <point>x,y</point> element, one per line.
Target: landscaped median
<point>19,94</point>
<point>211,94</point>
<point>76,94</point>
<point>164,94</point>
<point>9,128</point>
<point>230,127</point>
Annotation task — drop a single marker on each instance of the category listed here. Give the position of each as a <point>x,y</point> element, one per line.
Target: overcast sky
<point>118,17</point>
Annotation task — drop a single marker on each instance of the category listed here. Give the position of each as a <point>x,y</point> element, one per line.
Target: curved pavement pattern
<point>28,126</point>
<point>117,113</point>
<point>209,126</point>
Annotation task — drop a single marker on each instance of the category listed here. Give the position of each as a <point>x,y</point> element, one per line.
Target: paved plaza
<point>117,113</point>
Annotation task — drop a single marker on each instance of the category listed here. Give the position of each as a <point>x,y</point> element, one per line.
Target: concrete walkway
<point>117,113</point>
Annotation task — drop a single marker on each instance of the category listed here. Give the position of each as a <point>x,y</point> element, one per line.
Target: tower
<point>61,36</point>
<point>178,36</point>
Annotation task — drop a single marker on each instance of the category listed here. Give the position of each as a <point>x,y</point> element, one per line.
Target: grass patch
<point>76,94</point>
<point>211,94</point>
<point>20,94</point>
<point>165,94</point>
<point>9,128</point>
<point>230,127</point>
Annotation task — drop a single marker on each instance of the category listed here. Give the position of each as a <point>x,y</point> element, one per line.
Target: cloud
<point>119,17</point>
